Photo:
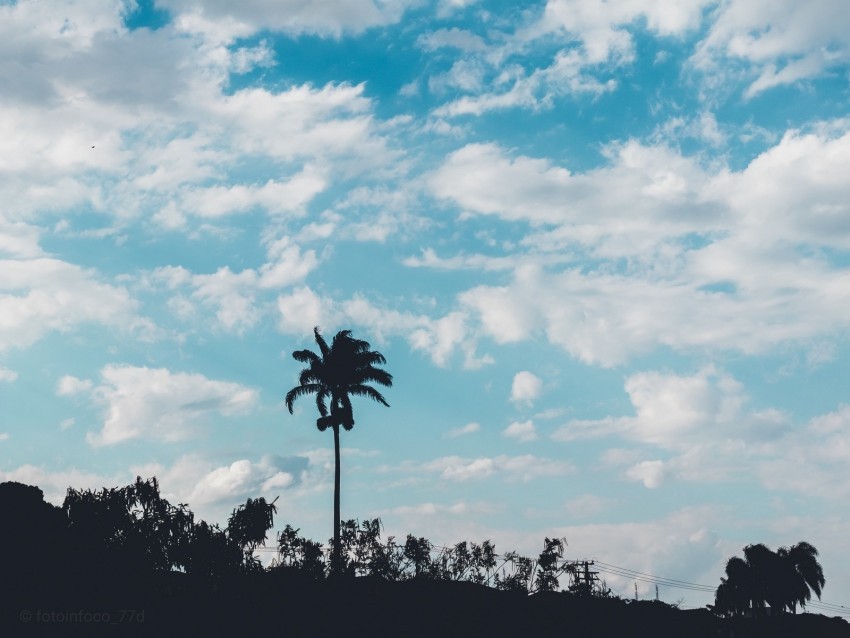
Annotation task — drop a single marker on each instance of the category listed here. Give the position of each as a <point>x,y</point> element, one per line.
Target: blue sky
<point>603,246</point>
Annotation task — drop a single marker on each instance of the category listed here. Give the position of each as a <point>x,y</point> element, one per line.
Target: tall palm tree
<point>803,564</point>
<point>341,370</point>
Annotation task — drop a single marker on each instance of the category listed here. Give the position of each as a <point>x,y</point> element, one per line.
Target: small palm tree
<point>342,370</point>
<point>736,591</point>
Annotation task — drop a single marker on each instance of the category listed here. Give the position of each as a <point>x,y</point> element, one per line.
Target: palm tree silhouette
<point>802,559</point>
<point>344,369</point>
<point>781,579</point>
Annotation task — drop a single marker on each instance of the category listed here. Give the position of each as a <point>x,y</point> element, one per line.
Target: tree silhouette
<point>802,558</point>
<point>342,370</point>
<point>248,526</point>
<point>781,579</point>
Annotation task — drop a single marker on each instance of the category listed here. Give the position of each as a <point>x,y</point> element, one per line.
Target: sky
<point>604,247</point>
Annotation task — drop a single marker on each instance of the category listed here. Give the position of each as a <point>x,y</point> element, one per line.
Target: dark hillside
<point>104,564</point>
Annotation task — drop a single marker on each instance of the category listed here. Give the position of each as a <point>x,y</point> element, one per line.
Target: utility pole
<point>636,590</point>
<point>583,577</point>
<point>656,593</point>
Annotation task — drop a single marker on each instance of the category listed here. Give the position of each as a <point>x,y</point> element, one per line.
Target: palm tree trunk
<point>336,562</point>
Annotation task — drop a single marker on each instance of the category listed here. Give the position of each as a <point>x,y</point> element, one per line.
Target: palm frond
<point>373,375</point>
<point>321,397</point>
<point>342,340</point>
<point>306,356</point>
<point>370,358</point>
<point>367,391</point>
<point>300,391</point>
<point>323,345</point>
<point>313,374</point>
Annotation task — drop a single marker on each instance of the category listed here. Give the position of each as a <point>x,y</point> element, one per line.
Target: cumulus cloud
<point>233,295</point>
<point>526,388</point>
<point>243,479</point>
<point>469,428</point>
<point>780,42</point>
<point>100,103</point>
<point>522,431</point>
<point>331,18</point>
<point>7,375</point>
<point>70,385</point>
<point>44,295</point>
<point>686,257</point>
<point>707,433</point>
<point>156,403</point>
<point>809,459</point>
<point>676,411</point>
<point>512,468</point>
<point>601,26</point>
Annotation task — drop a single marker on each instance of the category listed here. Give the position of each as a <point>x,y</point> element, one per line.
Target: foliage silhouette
<point>126,549</point>
<point>765,579</point>
<point>342,370</point>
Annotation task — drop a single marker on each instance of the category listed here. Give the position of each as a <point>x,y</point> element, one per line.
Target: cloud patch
<point>155,403</point>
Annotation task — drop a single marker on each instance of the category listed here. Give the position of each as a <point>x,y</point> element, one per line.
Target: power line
<point>650,578</point>
<point>673,583</point>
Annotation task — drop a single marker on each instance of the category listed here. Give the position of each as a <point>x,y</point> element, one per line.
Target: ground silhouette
<point>124,561</point>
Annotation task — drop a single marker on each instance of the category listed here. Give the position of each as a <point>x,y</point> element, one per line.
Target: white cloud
<point>710,435</point>
<point>453,38</point>
<point>458,509</point>
<point>275,197</point>
<point>234,295</point>
<point>588,505</point>
<point>526,388</point>
<point>782,42</point>
<point>599,38</point>
<point>302,309</point>
<point>4,436</point>
<point>512,468</point>
<point>18,239</point>
<point>808,460</point>
<point>522,431</point>
<point>157,403</point>
<point>330,18</point>
<point>469,428</point>
<point>287,265</point>
<point>684,257</point>
<point>38,296</point>
<point>601,25</point>
<point>7,375</point>
<point>643,194</point>
<point>676,412</point>
<point>242,479</point>
<point>651,473</point>
<point>70,385</point>
<point>64,424</point>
